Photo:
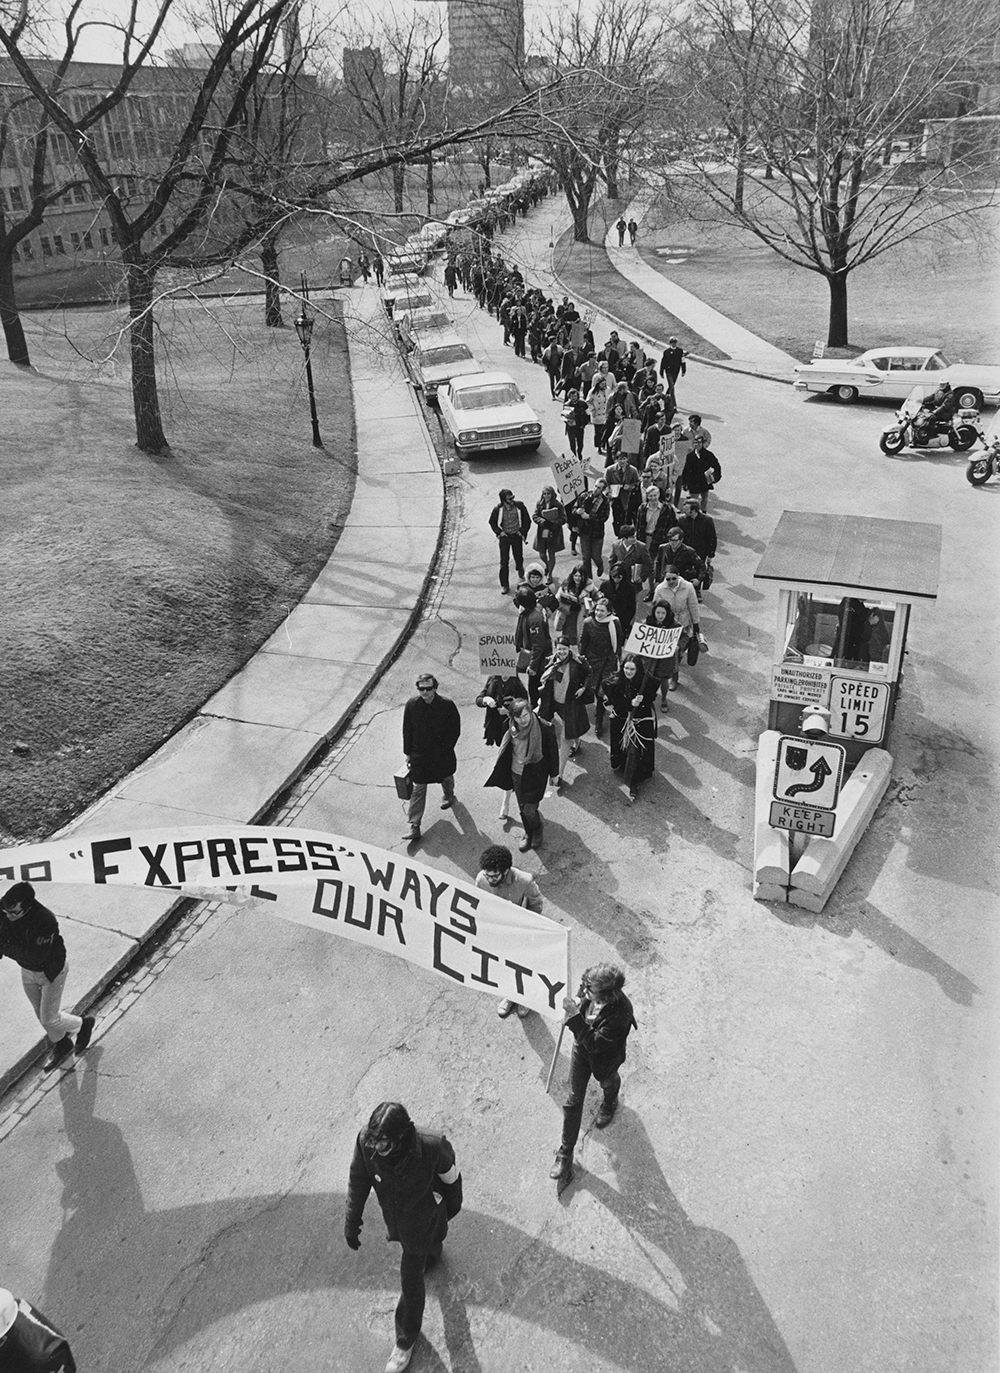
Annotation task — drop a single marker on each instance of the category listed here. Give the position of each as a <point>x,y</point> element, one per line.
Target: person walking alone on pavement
<point>431,729</point>
<point>528,756</point>
<point>672,363</point>
<point>600,1018</point>
<point>498,874</point>
<point>29,1342</point>
<point>29,935</point>
<point>419,1188</point>
<point>510,522</point>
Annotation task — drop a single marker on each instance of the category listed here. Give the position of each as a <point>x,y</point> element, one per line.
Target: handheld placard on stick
<point>562,1024</point>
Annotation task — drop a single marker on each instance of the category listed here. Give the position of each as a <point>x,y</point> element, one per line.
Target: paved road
<point>802,1175</point>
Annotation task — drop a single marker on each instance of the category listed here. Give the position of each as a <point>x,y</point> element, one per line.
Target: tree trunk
<point>149,434</point>
<point>740,180</point>
<point>837,333</point>
<point>611,176</point>
<point>272,292</point>
<point>581,214</point>
<point>17,344</point>
<point>398,186</point>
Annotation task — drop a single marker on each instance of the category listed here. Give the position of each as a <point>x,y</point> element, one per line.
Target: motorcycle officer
<point>938,409</point>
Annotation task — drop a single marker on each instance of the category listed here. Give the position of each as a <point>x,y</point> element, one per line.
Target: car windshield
<point>437,357</point>
<point>486,397</point>
<point>429,321</point>
<point>414,302</point>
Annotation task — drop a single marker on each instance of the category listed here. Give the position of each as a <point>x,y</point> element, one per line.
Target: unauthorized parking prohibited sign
<point>808,773</point>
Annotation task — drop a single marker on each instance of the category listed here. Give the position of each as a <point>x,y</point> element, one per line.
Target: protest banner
<point>568,477</point>
<point>631,436</point>
<point>369,895</point>
<point>497,653</point>
<point>652,641</point>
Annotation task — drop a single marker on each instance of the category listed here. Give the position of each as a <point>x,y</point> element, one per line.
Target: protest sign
<point>652,641</point>
<point>631,436</point>
<point>568,477</point>
<point>369,895</point>
<point>577,333</point>
<point>497,653</point>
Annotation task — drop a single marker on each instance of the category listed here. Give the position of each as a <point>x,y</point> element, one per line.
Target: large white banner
<point>369,895</point>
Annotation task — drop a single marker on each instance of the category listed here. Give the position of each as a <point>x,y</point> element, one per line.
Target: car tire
<point>845,394</point>
<point>969,398</point>
<point>533,447</point>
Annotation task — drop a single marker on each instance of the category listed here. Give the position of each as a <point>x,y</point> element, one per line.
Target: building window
<point>61,150</point>
<point>57,243</point>
<point>88,242</point>
<point>16,198</point>
<point>27,249</point>
<point>104,238</point>
<point>75,240</point>
<point>118,143</point>
<point>80,195</point>
<point>46,248</point>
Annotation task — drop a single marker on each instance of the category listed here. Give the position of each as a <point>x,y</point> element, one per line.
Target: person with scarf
<point>562,699</point>
<point>629,697</point>
<point>491,699</point>
<point>653,524</point>
<point>574,603</point>
<point>532,640</point>
<point>419,1188</point>
<point>549,517</point>
<point>661,670</point>
<point>601,641</point>
<point>529,757</point>
<point>600,1018</point>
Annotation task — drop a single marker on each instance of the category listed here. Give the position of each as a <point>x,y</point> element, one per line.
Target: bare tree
<point>795,106</point>
<point>608,61</point>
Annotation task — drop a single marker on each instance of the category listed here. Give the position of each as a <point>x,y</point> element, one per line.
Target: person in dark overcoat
<point>419,1188</point>
<point>629,698</point>
<point>600,1018</point>
<point>431,729</point>
<point>529,758</point>
<point>491,698</point>
<point>562,695</point>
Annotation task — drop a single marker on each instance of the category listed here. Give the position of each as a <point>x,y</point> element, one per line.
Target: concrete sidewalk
<point>257,733</point>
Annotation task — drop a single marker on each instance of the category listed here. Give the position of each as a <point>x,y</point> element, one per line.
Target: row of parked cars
<point>481,411</point>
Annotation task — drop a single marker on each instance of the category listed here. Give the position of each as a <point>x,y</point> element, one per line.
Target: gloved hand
<point>352,1233</point>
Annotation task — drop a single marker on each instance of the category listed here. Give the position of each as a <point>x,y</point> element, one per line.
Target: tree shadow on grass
<point>169,1276</point>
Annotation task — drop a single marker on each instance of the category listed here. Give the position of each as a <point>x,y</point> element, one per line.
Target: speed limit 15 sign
<point>858,709</point>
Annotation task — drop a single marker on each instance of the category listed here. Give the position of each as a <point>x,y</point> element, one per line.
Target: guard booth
<point>846,585</point>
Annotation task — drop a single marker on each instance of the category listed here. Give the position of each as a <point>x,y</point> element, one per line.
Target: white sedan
<point>488,411</point>
<point>437,358</point>
<point>893,373</point>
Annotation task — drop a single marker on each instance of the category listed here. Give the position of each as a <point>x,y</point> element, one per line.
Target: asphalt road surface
<point>802,1173</point>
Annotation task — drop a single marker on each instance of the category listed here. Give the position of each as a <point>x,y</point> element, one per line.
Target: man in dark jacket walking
<point>529,757</point>
<point>672,364</point>
<point>510,522</point>
<point>419,1188</point>
<point>699,533</point>
<point>29,934</point>
<point>29,1342</point>
<point>431,729</point>
<point>599,1018</point>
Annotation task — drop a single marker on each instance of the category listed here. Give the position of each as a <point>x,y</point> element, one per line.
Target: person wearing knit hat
<point>419,1188</point>
<point>29,1342</point>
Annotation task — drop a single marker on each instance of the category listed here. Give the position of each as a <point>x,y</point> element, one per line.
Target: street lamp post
<point>304,328</point>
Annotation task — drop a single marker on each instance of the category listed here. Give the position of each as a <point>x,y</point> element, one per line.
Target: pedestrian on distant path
<point>633,230</point>
<point>550,517</point>
<point>29,935</point>
<point>29,1342</point>
<point>450,277</point>
<point>498,875</point>
<point>600,1018</point>
<point>364,266</point>
<point>491,699</point>
<point>419,1188</point>
<point>621,226</point>
<point>378,267</point>
<point>431,729</point>
<point>672,364</point>
<point>510,522</point>
<point>629,698</point>
<point>528,759</point>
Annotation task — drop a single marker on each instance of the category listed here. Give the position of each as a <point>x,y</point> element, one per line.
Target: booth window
<point>847,633</point>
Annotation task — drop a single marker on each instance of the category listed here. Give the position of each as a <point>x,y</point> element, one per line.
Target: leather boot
<point>562,1168</point>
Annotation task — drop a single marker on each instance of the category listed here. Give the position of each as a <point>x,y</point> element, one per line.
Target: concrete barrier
<point>823,861</point>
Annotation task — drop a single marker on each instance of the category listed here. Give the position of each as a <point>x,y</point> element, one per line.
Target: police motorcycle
<point>985,462</point>
<point>959,432</point>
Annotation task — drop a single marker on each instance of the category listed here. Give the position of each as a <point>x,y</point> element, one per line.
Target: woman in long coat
<point>562,696</point>
<point>629,697</point>
<point>495,725</point>
<point>549,517</point>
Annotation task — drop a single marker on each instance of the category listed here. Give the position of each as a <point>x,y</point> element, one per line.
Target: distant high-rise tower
<point>485,42</point>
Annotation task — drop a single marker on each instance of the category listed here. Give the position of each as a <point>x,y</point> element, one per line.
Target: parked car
<point>893,373</point>
<point>406,293</point>
<point>404,262</point>
<point>424,320</point>
<point>488,411</point>
<point>436,358</point>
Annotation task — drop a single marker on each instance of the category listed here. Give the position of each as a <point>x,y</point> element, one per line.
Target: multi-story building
<point>485,43</point>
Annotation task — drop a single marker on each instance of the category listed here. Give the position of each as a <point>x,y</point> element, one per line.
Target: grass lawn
<point>938,291</point>
<point>586,271</point>
<point>135,586</point>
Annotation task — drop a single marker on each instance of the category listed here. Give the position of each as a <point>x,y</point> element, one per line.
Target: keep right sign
<point>858,710</point>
